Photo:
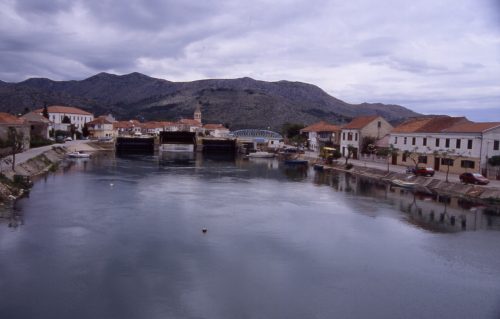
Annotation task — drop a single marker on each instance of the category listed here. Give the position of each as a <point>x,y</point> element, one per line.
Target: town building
<point>471,144</point>
<point>11,123</point>
<point>39,125</point>
<point>102,127</point>
<point>57,114</point>
<point>372,127</point>
<point>216,130</point>
<point>321,134</point>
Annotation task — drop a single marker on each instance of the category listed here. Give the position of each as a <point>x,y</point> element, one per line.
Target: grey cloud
<point>412,65</point>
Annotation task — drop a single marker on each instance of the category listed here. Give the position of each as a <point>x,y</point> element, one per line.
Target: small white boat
<point>79,154</point>
<point>260,154</point>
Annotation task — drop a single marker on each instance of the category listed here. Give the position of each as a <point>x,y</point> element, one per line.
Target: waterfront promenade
<point>399,169</point>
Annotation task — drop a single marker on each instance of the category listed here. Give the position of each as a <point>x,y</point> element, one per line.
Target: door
<point>395,159</point>
<point>436,164</point>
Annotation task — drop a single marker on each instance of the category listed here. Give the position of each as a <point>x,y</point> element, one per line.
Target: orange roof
<point>188,121</point>
<point>41,117</point>
<point>429,125</point>
<point>10,119</point>
<point>360,122</point>
<point>215,127</point>
<point>153,125</point>
<point>472,127</point>
<point>64,109</point>
<point>320,126</point>
<point>99,120</point>
<point>122,124</point>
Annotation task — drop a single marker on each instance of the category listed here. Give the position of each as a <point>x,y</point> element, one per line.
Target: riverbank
<point>14,183</point>
<point>431,185</point>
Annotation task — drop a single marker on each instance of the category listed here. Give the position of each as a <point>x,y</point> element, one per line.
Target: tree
<point>387,153</point>
<point>350,150</point>
<point>45,112</point>
<point>290,130</point>
<point>367,144</point>
<point>495,161</point>
<point>448,157</point>
<point>413,155</point>
<point>26,111</point>
<point>66,120</point>
<point>16,141</point>
<point>85,130</point>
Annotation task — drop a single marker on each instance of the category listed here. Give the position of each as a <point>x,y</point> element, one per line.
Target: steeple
<point>197,113</point>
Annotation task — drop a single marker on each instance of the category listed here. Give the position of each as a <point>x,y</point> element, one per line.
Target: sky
<point>432,56</point>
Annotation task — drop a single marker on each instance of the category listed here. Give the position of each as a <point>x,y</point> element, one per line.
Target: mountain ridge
<point>240,103</point>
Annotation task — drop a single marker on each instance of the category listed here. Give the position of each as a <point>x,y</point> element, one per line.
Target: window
<point>425,141</point>
<point>447,161</point>
<point>469,144</point>
<point>496,145</point>
<point>379,124</point>
<point>413,141</point>
<point>437,142</point>
<point>356,137</point>
<point>467,164</point>
<point>447,143</point>
<point>343,136</point>
<point>422,159</point>
<point>459,142</point>
<point>404,141</point>
<point>395,140</point>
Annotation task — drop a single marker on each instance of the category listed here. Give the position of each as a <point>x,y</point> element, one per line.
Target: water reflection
<point>281,242</point>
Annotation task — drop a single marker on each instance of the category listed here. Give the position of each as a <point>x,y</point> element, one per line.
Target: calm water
<point>282,242</point>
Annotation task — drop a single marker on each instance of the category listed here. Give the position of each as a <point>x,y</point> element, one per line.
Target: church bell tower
<point>197,113</point>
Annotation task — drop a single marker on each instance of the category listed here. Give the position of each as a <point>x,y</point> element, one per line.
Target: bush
<point>54,167</point>
<point>349,166</point>
<point>40,142</point>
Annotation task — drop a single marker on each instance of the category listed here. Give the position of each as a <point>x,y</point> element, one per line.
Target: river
<point>122,238</point>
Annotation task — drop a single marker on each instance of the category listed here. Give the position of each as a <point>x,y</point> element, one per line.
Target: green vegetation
<point>54,167</point>
<point>387,153</point>
<point>349,166</point>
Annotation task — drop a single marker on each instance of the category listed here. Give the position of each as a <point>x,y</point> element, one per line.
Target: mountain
<point>240,103</point>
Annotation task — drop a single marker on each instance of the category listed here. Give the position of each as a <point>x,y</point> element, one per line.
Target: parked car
<point>424,171</point>
<point>60,139</point>
<point>473,178</point>
<point>69,138</point>
<point>290,150</point>
<point>105,138</point>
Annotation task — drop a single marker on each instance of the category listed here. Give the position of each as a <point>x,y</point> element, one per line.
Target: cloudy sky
<point>432,56</point>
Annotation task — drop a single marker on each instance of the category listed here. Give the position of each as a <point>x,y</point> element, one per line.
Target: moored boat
<point>79,154</point>
<point>260,154</point>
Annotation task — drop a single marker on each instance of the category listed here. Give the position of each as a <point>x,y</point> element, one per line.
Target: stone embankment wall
<point>425,184</point>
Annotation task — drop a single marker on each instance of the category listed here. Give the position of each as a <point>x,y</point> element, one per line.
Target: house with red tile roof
<point>321,134</point>
<point>216,130</point>
<point>362,127</point>
<point>39,125</point>
<point>57,113</point>
<point>475,142</point>
<point>102,127</point>
<point>9,122</point>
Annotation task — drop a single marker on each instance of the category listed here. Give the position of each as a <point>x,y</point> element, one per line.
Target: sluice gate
<point>219,145</point>
<point>177,141</point>
<point>135,144</point>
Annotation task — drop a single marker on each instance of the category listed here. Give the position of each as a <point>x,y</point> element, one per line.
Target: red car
<point>424,171</point>
<point>474,178</point>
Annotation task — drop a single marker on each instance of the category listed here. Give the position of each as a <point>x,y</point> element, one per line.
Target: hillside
<point>241,103</point>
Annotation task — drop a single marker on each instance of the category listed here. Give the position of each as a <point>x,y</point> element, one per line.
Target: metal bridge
<point>250,133</point>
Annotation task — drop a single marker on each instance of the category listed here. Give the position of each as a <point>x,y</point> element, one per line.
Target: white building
<point>76,116</point>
